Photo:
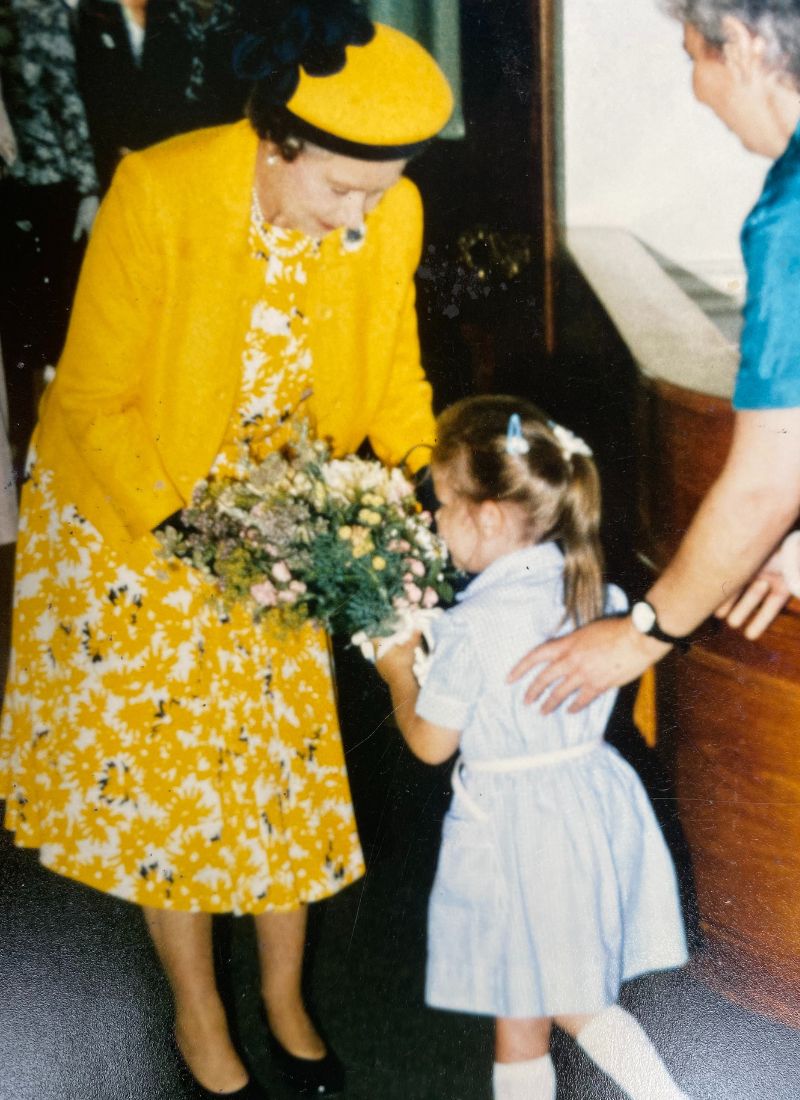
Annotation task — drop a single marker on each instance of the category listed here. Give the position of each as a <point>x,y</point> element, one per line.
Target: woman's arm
<point>431,743</point>
<point>404,422</point>
<point>740,521</point>
<point>97,388</point>
<point>404,426</point>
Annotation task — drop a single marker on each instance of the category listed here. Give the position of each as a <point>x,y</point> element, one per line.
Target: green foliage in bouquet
<point>303,536</point>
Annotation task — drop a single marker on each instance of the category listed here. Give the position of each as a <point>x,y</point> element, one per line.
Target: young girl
<point>554,884</point>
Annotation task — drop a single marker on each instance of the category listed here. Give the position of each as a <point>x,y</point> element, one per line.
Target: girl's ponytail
<point>579,535</point>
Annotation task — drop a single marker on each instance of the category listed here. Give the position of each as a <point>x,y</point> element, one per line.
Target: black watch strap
<point>683,643</point>
<point>645,620</point>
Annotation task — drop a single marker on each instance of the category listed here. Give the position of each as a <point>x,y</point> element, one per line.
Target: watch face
<point>643,616</point>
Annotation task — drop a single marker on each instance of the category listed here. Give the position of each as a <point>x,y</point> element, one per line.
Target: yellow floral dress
<point>152,746</point>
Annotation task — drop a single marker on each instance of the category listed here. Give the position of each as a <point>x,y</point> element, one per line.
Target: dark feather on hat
<point>279,38</point>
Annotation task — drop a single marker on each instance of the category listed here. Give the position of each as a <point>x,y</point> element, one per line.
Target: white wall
<point>638,151</point>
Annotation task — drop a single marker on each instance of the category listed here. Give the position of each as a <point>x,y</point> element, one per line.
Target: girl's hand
<point>399,660</point>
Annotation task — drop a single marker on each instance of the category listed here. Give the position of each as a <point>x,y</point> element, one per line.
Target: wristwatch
<point>645,620</point>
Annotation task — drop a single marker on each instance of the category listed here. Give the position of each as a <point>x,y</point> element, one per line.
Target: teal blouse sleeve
<point>769,371</point>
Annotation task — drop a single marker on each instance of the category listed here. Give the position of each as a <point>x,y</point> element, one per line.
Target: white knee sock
<point>619,1046</point>
<point>534,1080</point>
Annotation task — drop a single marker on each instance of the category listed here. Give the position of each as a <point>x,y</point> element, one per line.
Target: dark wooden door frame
<point>545,22</point>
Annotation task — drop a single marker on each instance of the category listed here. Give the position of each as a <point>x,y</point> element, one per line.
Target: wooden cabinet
<point>731,712</point>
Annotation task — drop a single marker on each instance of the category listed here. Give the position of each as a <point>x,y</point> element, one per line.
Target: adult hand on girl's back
<point>605,654</point>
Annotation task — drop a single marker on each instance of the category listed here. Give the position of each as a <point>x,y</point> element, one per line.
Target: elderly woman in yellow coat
<point>238,279</point>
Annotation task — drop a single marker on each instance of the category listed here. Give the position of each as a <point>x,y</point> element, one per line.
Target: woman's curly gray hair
<point>776,21</point>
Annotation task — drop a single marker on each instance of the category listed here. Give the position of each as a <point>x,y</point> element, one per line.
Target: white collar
<point>542,560</point>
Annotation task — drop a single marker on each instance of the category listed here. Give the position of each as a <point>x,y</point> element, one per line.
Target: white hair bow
<point>569,443</point>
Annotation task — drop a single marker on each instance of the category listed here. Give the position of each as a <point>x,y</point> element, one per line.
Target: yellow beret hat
<point>389,99</point>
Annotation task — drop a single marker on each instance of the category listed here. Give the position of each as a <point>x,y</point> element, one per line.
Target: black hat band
<point>307,131</point>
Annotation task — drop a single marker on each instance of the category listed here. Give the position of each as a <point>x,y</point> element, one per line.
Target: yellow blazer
<point>151,369</point>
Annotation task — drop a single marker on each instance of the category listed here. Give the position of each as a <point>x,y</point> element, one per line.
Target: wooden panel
<point>545,152</point>
<point>738,784</point>
<point>682,440</point>
<point>734,707</point>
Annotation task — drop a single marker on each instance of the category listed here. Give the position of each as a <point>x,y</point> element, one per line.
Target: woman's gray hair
<point>776,21</point>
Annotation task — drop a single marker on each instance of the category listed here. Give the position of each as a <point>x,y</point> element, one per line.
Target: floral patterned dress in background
<point>152,746</point>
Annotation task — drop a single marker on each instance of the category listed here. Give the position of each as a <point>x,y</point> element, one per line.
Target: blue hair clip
<point>516,443</point>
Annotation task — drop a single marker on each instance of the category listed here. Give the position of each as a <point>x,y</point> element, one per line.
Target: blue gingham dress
<point>554,884</point>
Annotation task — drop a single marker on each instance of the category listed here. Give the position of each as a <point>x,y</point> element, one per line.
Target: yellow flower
<point>362,542</point>
<point>345,533</point>
<point>372,500</point>
<point>378,563</point>
<point>372,519</point>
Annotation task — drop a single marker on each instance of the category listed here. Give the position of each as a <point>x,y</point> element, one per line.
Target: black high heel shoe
<point>250,1091</point>
<point>321,1077</point>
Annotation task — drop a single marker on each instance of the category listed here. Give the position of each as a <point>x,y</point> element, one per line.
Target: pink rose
<point>400,603</point>
<point>287,596</point>
<point>416,567</point>
<point>430,597</point>
<point>281,572</point>
<point>413,592</point>
<point>264,594</point>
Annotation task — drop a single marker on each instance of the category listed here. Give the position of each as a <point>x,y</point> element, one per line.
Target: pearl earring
<point>272,160</point>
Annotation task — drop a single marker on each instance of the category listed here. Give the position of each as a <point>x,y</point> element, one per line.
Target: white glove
<point>84,220</point>
<point>423,655</point>
<point>407,623</point>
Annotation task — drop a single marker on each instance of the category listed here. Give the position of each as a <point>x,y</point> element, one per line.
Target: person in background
<point>8,484</point>
<point>149,69</point>
<point>554,884</point>
<point>48,197</point>
<point>8,140</point>
<point>241,281</point>
<point>745,58</point>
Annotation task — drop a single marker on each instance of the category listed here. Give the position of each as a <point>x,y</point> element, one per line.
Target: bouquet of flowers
<point>304,536</point>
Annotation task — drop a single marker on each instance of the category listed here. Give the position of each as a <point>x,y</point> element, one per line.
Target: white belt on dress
<point>501,765</point>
